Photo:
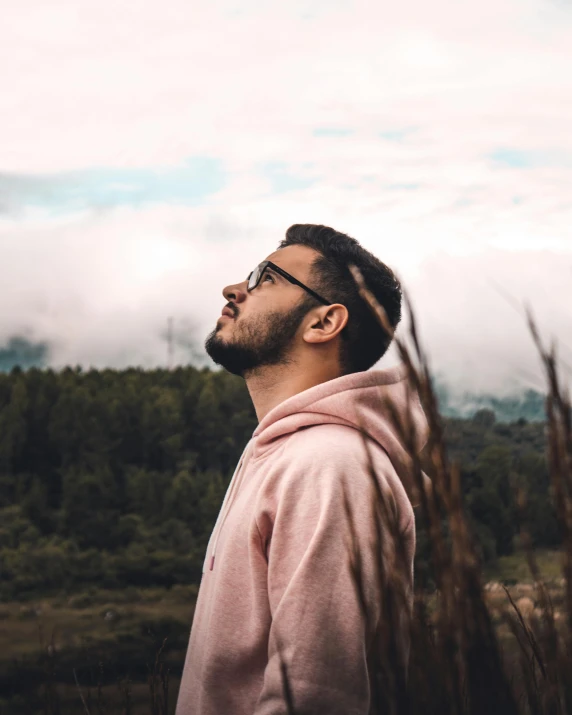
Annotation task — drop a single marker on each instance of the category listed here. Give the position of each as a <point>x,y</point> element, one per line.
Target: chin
<point>219,325</point>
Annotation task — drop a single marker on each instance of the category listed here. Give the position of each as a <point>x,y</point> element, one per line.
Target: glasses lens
<point>254,277</point>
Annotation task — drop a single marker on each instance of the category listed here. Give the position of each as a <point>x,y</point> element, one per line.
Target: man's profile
<point>277,583</point>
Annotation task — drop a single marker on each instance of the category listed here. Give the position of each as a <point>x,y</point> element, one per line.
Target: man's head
<point>279,322</point>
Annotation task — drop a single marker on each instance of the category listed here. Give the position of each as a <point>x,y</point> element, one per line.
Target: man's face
<point>260,326</point>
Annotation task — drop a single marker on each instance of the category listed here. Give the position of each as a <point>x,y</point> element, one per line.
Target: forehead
<point>297,260</point>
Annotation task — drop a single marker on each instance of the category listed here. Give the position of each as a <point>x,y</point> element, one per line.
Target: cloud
<point>437,136</point>
<point>396,135</point>
<point>471,314</point>
<point>106,299</point>
<point>332,132</point>
<point>72,191</point>
<point>98,288</point>
<point>522,159</point>
<point>282,179</point>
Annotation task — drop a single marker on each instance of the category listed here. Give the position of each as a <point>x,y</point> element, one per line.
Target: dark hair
<point>364,340</point>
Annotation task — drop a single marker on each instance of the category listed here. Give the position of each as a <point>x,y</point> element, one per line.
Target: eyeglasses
<point>255,277</point>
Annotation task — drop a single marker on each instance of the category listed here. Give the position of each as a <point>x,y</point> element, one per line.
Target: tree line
<point>115,478</point>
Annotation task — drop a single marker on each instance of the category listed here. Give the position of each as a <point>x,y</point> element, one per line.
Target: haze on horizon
<point>151,157</point>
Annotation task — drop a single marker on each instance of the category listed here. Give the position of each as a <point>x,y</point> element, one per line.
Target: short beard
<point>265,341</point>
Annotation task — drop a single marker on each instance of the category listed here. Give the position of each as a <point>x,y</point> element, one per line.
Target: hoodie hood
<point>362,401</point>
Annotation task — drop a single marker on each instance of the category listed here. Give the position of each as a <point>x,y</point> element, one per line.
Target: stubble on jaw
<point>256,344</point>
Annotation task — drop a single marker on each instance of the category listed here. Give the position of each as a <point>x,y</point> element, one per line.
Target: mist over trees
<point>22,352</point>
<point>528,404</point>
<point>115,478</point>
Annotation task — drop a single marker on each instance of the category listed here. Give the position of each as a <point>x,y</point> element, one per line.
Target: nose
<point>236,293</point>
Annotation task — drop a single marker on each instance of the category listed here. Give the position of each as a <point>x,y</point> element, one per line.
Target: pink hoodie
<point>276,577</point>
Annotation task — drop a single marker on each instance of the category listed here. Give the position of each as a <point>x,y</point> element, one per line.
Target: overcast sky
<point>153,152</point>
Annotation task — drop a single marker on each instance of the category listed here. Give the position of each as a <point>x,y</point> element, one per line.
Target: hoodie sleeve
<point>318,627</point>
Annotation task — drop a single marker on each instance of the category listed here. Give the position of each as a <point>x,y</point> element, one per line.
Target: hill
<point>114,478</point>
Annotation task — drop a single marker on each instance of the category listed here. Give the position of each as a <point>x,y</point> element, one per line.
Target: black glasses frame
<point>268,264</point>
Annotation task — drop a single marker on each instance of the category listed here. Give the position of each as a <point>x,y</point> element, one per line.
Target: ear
<point>326,323</point>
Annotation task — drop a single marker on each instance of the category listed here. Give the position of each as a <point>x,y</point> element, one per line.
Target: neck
<point>272,384</point>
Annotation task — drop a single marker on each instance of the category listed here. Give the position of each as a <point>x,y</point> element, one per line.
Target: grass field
<point>514,568</point>
<point>107,639</point>
<point>97,638</point>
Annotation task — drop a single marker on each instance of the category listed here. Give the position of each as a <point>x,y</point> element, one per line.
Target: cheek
<point>250,325</point>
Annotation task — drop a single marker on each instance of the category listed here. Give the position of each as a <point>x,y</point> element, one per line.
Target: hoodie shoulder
<point>333,459</point>
<point>328,463</point>
<point>332,444</point>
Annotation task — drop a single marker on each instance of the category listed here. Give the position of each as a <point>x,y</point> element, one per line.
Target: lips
<point>228,312</point>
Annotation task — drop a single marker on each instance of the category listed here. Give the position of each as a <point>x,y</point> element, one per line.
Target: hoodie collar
<point>359,401</point>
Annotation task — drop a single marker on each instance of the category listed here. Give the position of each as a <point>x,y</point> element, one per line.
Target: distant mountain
<point>528,405</point>
<point>22,352</point>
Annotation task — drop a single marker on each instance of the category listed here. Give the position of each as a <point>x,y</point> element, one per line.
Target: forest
<point>113,479</point>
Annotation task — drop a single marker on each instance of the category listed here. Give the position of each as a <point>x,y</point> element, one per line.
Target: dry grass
<point>459,661</point>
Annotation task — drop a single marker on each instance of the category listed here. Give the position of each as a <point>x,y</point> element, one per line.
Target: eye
<point>268,275</point>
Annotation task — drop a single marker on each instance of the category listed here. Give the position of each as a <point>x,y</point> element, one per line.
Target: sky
<point>152,153</point>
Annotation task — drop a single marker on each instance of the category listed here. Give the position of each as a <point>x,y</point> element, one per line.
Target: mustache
<point>232,306</point>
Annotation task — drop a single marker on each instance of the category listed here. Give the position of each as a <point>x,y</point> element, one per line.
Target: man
<point>278,584</point>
